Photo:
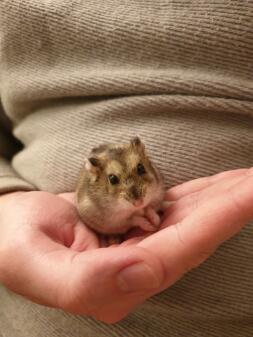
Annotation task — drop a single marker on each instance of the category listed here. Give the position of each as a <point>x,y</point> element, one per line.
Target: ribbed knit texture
<point>74,74</point>
<point>9,179</point>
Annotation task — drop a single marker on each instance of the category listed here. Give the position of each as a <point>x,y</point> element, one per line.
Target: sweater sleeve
<point>10,181</point>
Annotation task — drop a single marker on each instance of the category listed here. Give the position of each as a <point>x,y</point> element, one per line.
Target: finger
<point>186,205</point>
<point>134,240</point>
<point>84,238</point>
<point>70,197</point>
<point>110,280</point>
<point>84,282</point>
<point>199,184</point>
<point>33,274</point>
<point>184,246</point>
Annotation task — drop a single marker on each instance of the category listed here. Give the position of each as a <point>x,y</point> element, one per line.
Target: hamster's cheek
<point>148,196</point>
<point>123,204</point>
<point>153,193</point>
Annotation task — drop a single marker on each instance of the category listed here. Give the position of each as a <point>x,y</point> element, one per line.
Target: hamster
<point>119,188</point>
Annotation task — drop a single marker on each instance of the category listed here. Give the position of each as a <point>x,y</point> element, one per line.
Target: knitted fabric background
<point>74,74</point>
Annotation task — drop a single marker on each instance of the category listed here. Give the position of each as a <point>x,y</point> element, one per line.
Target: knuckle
<point>235,202</point>
<point>195,200</point>
<point>179,233</point>
<point>191,201</point>
<point>197,257</point>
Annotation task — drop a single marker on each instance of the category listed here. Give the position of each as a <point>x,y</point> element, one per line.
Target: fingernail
<point>137,277</point>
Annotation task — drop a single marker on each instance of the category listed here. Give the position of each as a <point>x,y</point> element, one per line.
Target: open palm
<point>62,259</point>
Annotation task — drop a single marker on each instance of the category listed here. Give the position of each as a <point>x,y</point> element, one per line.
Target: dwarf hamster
<point>119,188</point>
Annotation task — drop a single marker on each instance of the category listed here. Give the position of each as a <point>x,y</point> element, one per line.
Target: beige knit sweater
<point>77,73</point>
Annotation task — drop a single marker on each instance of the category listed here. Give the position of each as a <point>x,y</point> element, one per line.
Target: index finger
<point>185,245</point>
<point>196,185</point>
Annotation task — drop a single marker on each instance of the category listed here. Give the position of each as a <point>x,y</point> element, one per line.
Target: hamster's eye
<point>113,179</point>
<point>140,169</point>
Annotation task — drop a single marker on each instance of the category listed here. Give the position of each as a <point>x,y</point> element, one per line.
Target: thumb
<point>185,245</point>
<point>109,280</point>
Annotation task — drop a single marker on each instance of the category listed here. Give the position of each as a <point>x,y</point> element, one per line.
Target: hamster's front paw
<point>144,223</point>
<point>153,217</point>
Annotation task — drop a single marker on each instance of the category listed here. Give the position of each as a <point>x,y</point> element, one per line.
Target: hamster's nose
<point>136,197</point>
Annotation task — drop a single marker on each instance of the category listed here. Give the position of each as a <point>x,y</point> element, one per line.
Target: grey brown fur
<point>109,209</point>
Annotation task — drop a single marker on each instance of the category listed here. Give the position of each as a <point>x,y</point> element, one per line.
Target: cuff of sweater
<point>10,181</point>
<point>13,184</point>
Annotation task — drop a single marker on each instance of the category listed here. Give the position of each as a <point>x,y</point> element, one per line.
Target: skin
<point>50,257</point>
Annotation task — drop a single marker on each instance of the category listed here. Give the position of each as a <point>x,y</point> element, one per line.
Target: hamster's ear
<point>92,164</point>
<point>136,143</point>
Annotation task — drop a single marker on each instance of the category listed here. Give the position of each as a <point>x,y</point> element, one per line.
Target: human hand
<point>47,255</point>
